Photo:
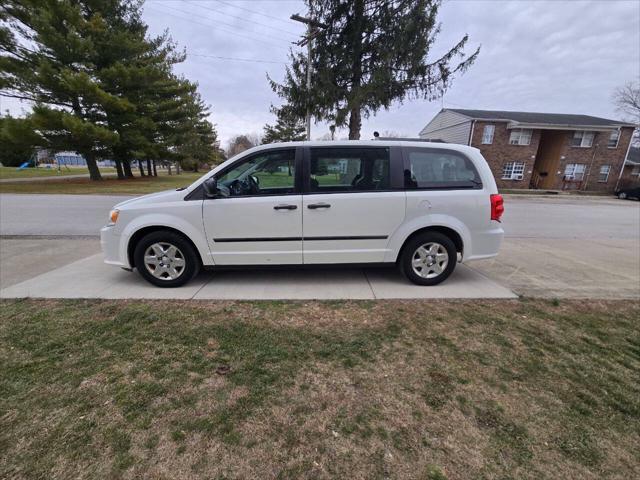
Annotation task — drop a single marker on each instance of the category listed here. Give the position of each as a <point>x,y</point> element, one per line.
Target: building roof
<point>541,118</point>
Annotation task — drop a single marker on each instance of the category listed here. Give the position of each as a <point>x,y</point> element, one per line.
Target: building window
<point>487,134</point>
<point>604,173</point>
<point>513,171</point>
<point>613,139</point>
<point>582,138</point>
<point>520,136</point>
<point>574,171</point>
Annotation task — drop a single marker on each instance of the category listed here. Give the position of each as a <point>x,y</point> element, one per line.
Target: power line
<point>209,25</point>
<point>253,11</point>
<point>227,24</point>
<point>244,19</point>
<point>235,58</point>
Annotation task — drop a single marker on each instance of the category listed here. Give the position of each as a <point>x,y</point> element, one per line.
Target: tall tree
<point>185,133</point>
<point>371,53</point>
<point>101,86</point>
<point>49,58</point>
<point>18,140</point>
<point>288,127</point>
<point>131,65</point>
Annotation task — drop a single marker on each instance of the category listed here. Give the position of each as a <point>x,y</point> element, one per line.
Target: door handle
<point>315,206</point>
<point>285,207</point>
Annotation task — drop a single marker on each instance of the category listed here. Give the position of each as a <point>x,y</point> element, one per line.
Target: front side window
<point>574,171</point>
<point>582,139</point>
<point>604,173</point>
<point>349,169</point>
<point>513,171</point>
<point>613,139</point>
<point>268,173</point>
<point>487,134</point>
<point>520,136</point>
<point>439,169</point>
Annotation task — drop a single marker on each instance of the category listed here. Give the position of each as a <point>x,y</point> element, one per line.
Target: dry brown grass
<point>395,389</point>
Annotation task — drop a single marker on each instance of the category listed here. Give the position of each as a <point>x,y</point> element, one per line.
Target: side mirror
<point>210,187</point>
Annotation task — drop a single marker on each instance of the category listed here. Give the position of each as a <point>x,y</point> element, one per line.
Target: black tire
<point>410,250</point>
<point>622,195</point>
<point>185,250</point>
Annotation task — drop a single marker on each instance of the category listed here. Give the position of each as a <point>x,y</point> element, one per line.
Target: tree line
<point>103,87</point>
<point>100,85</point>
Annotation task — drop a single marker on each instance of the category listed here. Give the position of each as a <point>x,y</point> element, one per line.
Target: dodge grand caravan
<point>420,206</point>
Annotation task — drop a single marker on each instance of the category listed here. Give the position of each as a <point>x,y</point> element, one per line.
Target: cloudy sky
<point>562,56</point>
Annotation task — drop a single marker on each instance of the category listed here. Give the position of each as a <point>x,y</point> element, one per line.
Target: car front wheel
<point>622,195</point>
<point>428,258</point>
<point>166,259</point>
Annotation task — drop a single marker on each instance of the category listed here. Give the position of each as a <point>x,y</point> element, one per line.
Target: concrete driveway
<point>91,278</point>
<point>554,247</point>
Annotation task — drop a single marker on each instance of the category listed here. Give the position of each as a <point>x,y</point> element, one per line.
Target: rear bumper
<point>485,244</point>
<point>111,249</point>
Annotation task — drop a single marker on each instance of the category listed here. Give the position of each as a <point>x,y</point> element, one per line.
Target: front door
<point>352,205</point>
<point>257,217</point>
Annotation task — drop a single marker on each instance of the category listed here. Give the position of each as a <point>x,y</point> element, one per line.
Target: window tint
<point>269,173</point>
<point>439,169</point>
<point>349,169</point>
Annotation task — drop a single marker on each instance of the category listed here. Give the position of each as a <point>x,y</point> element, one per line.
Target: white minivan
<point>421,206</point>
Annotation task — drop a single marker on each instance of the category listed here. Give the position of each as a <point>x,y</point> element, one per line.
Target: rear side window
<point>439,169</point>
<point>349,169</point>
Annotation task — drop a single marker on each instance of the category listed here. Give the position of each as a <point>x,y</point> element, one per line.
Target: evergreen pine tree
<point>371,53</point>
<point>288,127</point>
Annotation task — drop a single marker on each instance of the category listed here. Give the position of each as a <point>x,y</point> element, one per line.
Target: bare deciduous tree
<point>240,143</point>
<point>627,100</point>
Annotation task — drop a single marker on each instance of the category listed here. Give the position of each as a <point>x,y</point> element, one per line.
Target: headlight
<point>113,216</point>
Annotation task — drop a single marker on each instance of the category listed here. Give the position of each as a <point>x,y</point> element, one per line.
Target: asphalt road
<point>55,214</point>
<point>525,216</point>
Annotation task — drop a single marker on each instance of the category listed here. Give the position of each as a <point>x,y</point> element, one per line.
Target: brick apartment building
<point>631,171</point>
<point>540,150</point>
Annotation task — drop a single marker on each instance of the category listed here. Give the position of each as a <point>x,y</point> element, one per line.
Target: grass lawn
<point>137,185</point>
<point>13,172</point>
<point>526,389</point>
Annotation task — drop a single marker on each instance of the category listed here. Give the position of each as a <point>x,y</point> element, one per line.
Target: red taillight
<point>497,206</point>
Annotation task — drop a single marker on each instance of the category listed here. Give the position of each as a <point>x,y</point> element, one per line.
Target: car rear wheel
<point>428,258</point>
<point>622,195</point>
<point>166,259</point>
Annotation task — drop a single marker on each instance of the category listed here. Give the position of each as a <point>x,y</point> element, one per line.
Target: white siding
<point>449,126</point>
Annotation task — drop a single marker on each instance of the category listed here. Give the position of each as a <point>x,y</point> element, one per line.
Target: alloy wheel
<point>429,260</point>
<point>164,261</point>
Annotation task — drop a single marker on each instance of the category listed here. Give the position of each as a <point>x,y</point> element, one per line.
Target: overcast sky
<point>562,56</point>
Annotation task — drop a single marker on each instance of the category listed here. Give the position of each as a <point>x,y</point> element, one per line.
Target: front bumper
<point>111,248</point>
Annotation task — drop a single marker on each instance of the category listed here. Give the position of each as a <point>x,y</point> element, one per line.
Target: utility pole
<point>313,30</point>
